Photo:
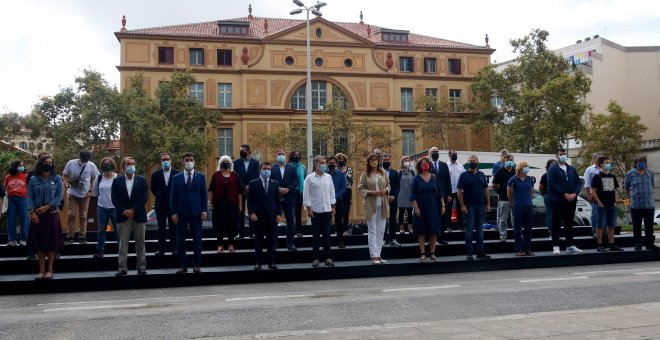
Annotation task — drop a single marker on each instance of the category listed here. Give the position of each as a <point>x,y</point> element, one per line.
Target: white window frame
<point>196,90</point>
<point>225,141</point>
<point>224,96</point>
<point>407,99</point>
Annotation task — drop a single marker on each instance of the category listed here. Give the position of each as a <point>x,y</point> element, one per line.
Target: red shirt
<point>16,185</point>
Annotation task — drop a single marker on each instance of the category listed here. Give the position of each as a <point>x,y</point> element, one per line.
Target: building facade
<point>254,70</point>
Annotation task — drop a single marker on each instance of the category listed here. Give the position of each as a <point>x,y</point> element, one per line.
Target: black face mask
<point>435,156</point>
<point>225,166</point>
<point>341,163</point>
<point>294,159</point>
<point>386,165</point>
<point>332,167</point>
<point>244,154</point>
<point>46,167</point>
<point>453,157</point>
<point>473,165</point>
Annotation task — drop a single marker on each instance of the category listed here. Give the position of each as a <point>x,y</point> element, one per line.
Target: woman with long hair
<point>105,210</point>
<point>374,187</point>
<point>226,192</point>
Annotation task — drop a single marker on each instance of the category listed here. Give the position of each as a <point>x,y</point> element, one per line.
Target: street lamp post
<point>308,87</point>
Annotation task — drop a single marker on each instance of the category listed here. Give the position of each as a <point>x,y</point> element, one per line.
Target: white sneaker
<point>12,244</point>
<point>23,243</point>
<point>555,250</point>
<point>574,250</point>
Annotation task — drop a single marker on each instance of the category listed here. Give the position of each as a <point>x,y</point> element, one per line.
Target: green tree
<point>617,135</point>
<point>437,117</point>
<point>542,98</point>
<point>172,122</point>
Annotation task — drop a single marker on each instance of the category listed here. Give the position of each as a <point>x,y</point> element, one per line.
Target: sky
<point>44,45</point>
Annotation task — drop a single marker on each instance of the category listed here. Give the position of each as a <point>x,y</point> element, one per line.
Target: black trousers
<point>166,229</point>
<point>339,216</point>
<point>393,226</point>
<point>321,225</point>
<point>241,220</point>
<point>639,216</point>
<point>298,212</point>
<point>224,222</point>
<point>266,226</point>
<point>562,213</point>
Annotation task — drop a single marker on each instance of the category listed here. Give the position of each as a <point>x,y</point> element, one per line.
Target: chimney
<point>587,38</point>
<point>596,36</point>
<point>578,42</point>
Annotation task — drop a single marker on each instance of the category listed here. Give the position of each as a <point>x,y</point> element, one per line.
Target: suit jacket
<point>138,198</point>
<point>395,182</point>
<point>263,203</point>
<point>290,181</point>
<point>560,182</point>
<point>443,177</point>
<point>184,200</point>
<point>162,191</point>
<point>251,173</point>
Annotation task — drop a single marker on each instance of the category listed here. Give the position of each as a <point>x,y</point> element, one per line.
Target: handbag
<point>75,182</point>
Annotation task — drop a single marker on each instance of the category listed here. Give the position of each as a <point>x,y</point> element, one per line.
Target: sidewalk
<point>621,322</point>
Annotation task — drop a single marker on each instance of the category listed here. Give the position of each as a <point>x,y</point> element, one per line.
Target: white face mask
<point>189,166</point>
<point>406,164</point>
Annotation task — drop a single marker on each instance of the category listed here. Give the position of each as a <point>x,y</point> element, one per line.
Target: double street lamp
<point>308,87</point>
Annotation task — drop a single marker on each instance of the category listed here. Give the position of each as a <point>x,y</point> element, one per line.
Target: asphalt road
<point>218,311</point>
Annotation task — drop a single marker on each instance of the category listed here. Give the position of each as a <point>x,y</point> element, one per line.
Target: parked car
<point>656,217</point>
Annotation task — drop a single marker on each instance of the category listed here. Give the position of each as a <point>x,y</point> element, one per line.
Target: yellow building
<point>254,70</point>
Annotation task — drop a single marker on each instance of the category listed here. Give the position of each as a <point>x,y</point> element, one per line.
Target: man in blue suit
<point>441,171</point>
<point>287,176</point>
<point>395,186</point>
<point>129,195</point>
<point>263,204</point>
<point>248,170</point>
<point>161,186</point>
<point>188,206</point>
<point>563,188</point>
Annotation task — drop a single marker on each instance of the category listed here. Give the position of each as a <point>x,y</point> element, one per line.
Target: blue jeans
<point>606,217</point>
<point>548,212</point>
<point>103,215</point>
<point>523,218</point>
<point>475,222</point>
<point>17,208</point>
<point>594,217</point>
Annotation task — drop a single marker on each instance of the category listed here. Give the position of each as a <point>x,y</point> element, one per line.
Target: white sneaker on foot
<point>574,250</point>
<point>555,250</point>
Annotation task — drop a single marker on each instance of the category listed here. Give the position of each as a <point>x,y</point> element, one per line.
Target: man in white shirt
<point>319,198</point>
<point>589,174</point>
<point>77,177</point>
<point>455,171</point>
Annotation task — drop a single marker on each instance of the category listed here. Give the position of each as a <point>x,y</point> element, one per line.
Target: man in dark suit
<point>129,195</point>
<point>248,170</point>
<point>287,176</point>
<point>263,204</point>
<point>441,171</point>
<point>395,185</point>
<point>188,206</point>
<point>564,186</point>
<point>161,186</point>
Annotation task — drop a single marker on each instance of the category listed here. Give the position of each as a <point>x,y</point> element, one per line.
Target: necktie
<point>266,185</point>
<point>436,167</point>
<point>189,180</point>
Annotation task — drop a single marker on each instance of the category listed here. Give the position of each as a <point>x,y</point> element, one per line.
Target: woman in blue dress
<point>427,206</point>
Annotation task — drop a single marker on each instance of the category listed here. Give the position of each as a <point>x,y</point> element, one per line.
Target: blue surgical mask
<point>20,168</point>
<point>280,158</point>
<point>265,173</point>
<point>608,167</point>
<point>509,164</point>
<point>130,169</point>
<point>525,170</point>
<point>323,168</point>
<point>166,164</point>
<point>641,165</point>
<point>563,158</point>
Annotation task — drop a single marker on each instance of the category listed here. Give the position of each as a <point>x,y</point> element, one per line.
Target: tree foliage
<point>437,117</point>
<point>542,99</point>
<point>617,135</point>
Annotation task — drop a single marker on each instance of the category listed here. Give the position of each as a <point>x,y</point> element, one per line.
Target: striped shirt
<point>640,188</point>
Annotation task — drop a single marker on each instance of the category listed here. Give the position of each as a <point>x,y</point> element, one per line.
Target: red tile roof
<point>210,30</point>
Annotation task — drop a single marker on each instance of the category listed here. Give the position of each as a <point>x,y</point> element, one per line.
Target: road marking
<point>648,273</point>
<point>408,289</point>
<point>270,297</point>
<point>128,300</point>
<point>614,271</point>
<point>64,309</point>
<point>556,279</point>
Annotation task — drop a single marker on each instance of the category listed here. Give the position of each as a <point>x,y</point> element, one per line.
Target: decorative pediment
<point>320,31</point>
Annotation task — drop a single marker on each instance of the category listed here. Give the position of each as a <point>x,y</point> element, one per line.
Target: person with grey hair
<point>226,191</point>
<point>319,198</point>
<point>498,165</point>
<point>589,174</point>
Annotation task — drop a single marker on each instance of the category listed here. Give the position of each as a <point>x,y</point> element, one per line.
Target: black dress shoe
<point>341,245</point>
<point>197,270</point>
<point>442,242</point>
<point>482,256</point>
<point>182,270</point>
<point>159,253</point>
<point>292,248</point>
<point>174,253</point>
<point>121,273</point>
<point>272,266</point>
<point>98,255</point>
<point>142,271</point>
<point>257,267</point>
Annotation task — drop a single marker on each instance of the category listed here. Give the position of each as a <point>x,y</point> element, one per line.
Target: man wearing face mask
<point>129,195</point>
<point>603,190</point>
<point>640,182</point>
<point>563,187</point>
<point>286,175</point>
<point>392,198</point>
<point>441,171</point>
<point>161,186</point>
<point>339,182</point>
<point>295,160</point>
<point>455,171</point>
<point>319,198</point>
<point>475,201</point>
<point>589,174</point>
<point>188,206</point>
<point>498,165</point>
<point>248,170</point>
<point>500,180</point>
<point>263,204</point>
<point>77,177</point>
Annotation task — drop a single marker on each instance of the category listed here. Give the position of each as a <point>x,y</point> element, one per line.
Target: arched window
<point>319,94</point>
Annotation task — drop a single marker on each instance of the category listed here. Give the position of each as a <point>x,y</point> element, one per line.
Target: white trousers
<point>376,231</point>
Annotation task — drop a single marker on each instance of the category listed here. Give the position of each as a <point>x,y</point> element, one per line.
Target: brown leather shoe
<point>182,270</point>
